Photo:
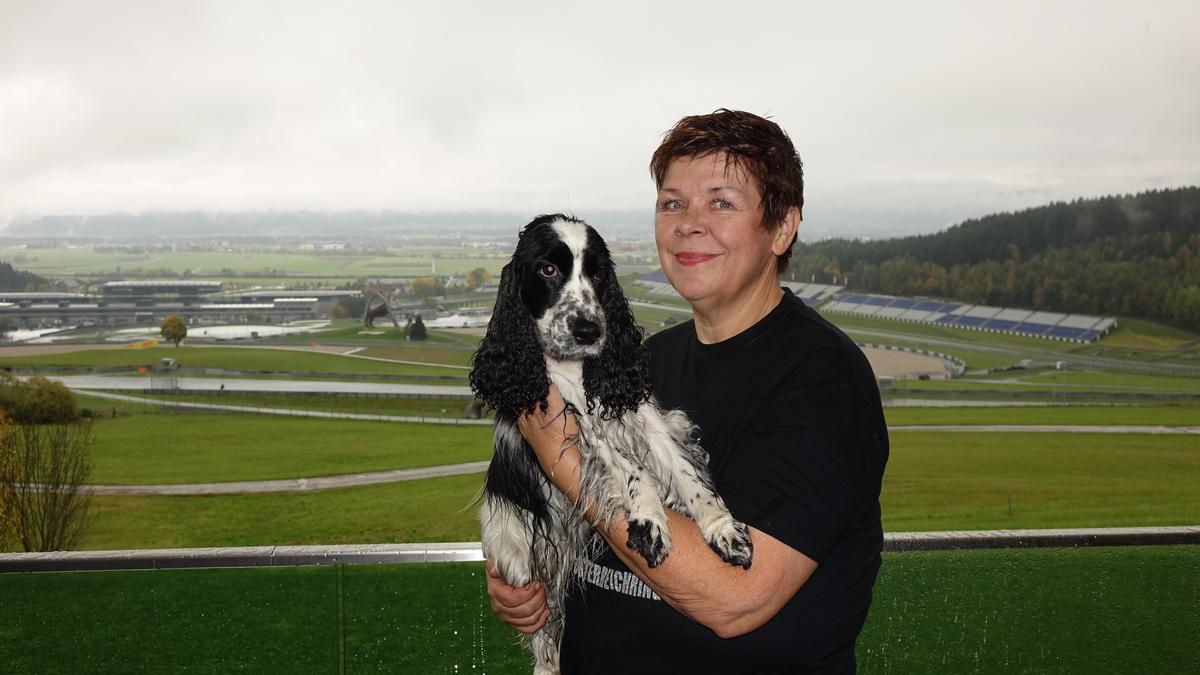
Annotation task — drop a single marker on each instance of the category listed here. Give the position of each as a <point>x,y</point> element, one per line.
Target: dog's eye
<point>549,271</point>
<point>599,275</point>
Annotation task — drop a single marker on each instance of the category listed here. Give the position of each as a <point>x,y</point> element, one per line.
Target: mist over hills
<point>333,225</point>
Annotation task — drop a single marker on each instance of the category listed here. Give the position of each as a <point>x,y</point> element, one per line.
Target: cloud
<point>945,109</point>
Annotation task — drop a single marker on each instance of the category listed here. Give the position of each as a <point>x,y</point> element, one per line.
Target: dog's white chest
<point>568,377</point>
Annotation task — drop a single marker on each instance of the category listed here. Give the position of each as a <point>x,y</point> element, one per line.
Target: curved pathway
<point>292,484</point>
<point>291,412</point>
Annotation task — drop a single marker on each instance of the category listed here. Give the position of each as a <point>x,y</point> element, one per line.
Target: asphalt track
<point>161,383</point>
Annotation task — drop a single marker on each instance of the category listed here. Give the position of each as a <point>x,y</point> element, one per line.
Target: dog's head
<point>559,296</point>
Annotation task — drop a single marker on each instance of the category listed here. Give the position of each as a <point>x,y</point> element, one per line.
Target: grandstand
<point>1051,325</point>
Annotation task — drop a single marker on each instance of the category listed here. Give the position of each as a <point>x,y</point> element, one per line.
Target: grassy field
<point>964,481</point>
<point>1020,611</point>
<point>193,448</point>
<point>276,267</point>
<point>934,481</point>
<point>430,510</point>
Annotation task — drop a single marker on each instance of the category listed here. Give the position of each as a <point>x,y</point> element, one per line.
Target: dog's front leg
<point>683,466</point>
<point>632,487</point>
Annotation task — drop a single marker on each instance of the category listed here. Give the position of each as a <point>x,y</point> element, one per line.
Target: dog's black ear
<point>508,370</point>
<point>619,378</point>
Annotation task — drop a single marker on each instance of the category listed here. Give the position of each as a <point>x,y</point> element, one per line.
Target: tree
<point>8,460</point>
<point>43,470</point>
<point>36,400</point>
<point>478,277</point>
<point>417,330</point>
<point>174,329</point>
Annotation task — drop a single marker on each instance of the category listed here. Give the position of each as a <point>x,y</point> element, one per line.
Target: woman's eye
<point>670,205</point>
<point>548,271</point>
<point>723,204</point>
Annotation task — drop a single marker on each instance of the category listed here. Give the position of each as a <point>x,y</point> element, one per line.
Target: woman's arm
<point>693,579</point>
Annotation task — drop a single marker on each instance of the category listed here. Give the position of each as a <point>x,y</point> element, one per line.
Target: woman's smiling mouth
<point>689,259</point>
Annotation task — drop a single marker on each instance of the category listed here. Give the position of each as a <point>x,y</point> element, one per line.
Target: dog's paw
<point>732,543</point>
<point>650,540</point>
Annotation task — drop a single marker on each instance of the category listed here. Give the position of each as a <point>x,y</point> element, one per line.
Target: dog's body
<point>560,316</point>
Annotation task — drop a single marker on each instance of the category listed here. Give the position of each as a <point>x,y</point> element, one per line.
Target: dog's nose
<point>585,331</point>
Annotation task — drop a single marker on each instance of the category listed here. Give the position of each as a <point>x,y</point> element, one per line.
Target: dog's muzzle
<point>585,331</point>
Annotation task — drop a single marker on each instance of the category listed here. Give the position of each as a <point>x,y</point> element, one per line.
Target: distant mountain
<point>1135,255</point>
<point>335,225</point>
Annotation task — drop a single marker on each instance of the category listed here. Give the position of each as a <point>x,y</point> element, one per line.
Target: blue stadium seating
<point>1066,333</point>
<point>999,324</point>
<point>908,308</point>
<point>1032,328</point>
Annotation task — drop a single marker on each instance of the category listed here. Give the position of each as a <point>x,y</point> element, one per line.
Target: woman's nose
<point>689,222</point>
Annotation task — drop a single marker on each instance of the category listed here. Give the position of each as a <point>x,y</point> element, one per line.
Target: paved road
<point>289,412</point>
<point>97,382</point>
<point>292,485</point>
<point>1051,428</point>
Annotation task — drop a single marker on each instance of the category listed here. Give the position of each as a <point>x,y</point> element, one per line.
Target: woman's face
<point>707,227</point>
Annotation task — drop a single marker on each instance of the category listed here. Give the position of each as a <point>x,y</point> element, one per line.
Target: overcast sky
<point>909,116</point>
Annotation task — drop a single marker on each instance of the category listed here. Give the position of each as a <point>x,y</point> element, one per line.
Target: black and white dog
<point>560,317</point>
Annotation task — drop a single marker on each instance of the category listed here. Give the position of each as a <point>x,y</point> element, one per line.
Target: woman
<point>789,413</point>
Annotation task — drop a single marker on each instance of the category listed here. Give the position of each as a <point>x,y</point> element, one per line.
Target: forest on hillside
<point>1130,255</point>
<point>16,280</point>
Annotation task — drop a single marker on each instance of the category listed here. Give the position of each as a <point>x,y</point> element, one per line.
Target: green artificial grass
<point>200,447</point>
<point>1010,611</point>
<point>1102,610</point>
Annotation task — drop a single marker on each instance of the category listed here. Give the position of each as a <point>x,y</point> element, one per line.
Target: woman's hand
<point>523,608</point>
<point>554,434</point>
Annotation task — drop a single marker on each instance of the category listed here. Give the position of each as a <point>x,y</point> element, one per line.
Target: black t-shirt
<point>789,412</point>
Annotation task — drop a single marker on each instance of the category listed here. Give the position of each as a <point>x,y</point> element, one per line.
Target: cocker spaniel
<point>560,316</point>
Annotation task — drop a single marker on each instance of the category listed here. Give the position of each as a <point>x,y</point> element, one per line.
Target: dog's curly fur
<point>560,316</point>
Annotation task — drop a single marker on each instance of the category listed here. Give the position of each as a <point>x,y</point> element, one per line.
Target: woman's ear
<point>785,236</point>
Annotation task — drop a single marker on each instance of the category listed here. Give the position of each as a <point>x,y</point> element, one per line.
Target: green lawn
<point>992,611</point>
<point>209,264</point>
<point>199,447</point>
<point>934,481</point>
<point>964,481</point>
<point>433,509</point>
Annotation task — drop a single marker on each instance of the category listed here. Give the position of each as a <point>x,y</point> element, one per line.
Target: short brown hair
<point>754,144</point>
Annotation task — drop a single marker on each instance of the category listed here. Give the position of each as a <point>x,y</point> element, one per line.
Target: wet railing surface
<point>1037,610</point>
